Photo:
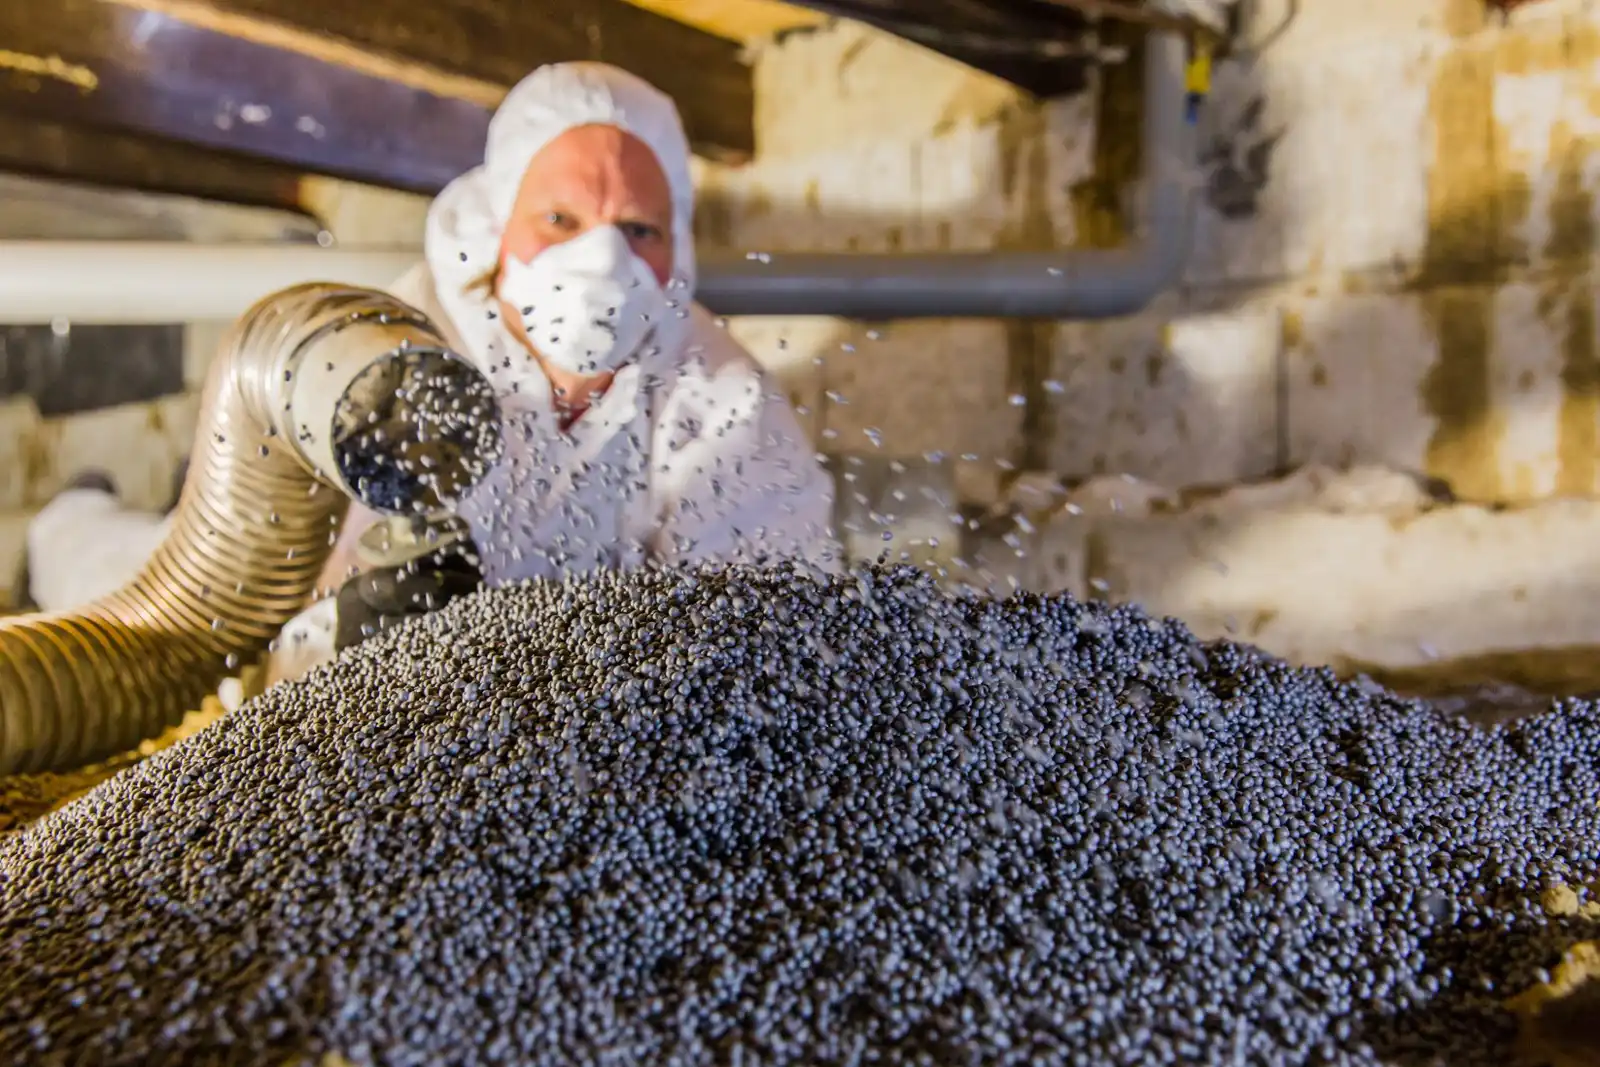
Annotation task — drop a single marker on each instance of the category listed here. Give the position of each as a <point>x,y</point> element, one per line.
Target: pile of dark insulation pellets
<point>742,816</point>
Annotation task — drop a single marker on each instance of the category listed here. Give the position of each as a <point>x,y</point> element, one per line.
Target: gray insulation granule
<point>755,817</point>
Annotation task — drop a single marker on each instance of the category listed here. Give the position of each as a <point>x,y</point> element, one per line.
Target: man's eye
<point>558,220</point>
<point>641,231</point>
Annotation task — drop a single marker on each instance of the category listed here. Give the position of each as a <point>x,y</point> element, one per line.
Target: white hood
<point>462,240</point>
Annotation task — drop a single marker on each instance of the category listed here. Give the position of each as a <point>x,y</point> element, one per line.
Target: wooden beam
<point>498,42</point>
<point>111,160</point>
<point>113,67</point>
<point>735,20</point>
<point>1034,44</point>
<point>1139,14</point>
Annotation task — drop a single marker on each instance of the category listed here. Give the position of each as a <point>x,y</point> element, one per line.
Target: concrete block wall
<point>140,442</point>
<point>866,143</point>
<point>1360,569</point>
<point>1393,270</point>
<point>1393,258</point>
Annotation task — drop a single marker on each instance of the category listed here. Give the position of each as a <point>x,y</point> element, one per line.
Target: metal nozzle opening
<point>413,433</point>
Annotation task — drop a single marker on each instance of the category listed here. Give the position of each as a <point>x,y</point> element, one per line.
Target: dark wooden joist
<point>110,67</point>
<point>39,148</point>
<point>500,41</point>
<point>1037,45</point>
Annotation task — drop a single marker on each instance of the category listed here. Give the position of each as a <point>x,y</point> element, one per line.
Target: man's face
<point>593,176</point>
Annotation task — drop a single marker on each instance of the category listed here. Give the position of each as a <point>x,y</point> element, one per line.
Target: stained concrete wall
<point>1360,568</point>
<point>1393,255</point>
<point>1393,266</point>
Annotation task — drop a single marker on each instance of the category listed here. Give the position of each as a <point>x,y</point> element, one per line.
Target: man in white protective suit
<point>636,429</point>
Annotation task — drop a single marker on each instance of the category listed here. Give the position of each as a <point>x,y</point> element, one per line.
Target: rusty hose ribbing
<point>251,533</point>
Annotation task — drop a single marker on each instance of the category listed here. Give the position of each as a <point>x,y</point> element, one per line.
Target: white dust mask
<point>589,304</point>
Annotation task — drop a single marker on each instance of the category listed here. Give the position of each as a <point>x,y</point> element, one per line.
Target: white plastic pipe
<point>145,283</point>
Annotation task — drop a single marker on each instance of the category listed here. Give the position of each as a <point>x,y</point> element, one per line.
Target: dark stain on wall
<point>88,368</point>
<point>1237,161</point>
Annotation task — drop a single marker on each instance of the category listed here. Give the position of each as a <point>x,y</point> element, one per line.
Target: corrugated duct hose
<point>320,393</point>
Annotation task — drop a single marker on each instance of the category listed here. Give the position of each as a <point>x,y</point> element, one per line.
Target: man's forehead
<point>598,162</point>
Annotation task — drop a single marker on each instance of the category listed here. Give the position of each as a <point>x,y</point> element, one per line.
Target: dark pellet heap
<point>754,817</point>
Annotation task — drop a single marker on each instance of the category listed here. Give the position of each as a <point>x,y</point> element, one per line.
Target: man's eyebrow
<point>635,211</point>
<point>652,218</point>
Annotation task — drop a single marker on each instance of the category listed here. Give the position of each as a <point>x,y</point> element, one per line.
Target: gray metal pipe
<point>1064,284</point>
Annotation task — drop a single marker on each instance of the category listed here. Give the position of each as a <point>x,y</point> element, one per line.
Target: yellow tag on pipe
<point>1197,79</point>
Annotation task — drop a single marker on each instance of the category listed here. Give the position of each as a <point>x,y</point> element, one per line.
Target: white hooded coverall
<point>691,454</point>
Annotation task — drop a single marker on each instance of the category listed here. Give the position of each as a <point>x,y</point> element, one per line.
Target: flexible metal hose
<point>251,533</point>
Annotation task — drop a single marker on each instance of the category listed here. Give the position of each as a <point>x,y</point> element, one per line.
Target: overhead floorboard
<point>736,20</point>
<point>42,149</point>
<point>108,67</point>
<point>1034,44</point>
<point>497,42</point>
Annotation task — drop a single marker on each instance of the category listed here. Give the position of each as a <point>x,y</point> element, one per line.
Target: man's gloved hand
<point>372,602</point>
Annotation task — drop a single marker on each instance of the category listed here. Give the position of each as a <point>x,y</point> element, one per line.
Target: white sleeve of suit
<point>415,287</point>
<point>306,641</point>
<point>733,472</point>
